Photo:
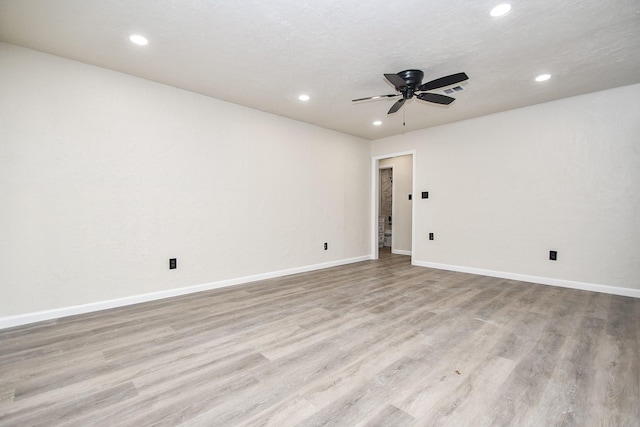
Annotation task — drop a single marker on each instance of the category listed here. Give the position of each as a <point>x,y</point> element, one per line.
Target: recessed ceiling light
<point>139,40</point>
<point>500,10</point>
<point>377,123</point>
<point>543,77</point>
<point>304,97</point>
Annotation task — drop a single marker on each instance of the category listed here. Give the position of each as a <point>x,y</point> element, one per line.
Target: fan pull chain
<point>404,117</point>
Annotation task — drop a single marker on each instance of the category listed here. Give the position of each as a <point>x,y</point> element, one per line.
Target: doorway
<point>385,208</point>
<point>392,207</point>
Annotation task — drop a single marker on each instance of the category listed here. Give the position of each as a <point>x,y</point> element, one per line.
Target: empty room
<point>301,213</point>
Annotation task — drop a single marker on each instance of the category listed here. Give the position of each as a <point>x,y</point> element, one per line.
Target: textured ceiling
<point>263,54</point>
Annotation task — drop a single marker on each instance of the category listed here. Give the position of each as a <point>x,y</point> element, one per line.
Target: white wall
<point>505,189</point>
<point>402,187</point>
<point>104,177</point>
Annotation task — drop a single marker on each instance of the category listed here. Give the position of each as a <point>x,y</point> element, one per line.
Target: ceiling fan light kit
<point>409,83</point>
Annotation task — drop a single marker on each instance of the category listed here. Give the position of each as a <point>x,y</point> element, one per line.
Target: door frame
<point>375,200</point>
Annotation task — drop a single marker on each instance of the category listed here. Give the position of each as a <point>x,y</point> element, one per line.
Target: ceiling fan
<point>409,83</point>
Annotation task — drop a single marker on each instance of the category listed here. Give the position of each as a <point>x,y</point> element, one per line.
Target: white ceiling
<point>264,53</point>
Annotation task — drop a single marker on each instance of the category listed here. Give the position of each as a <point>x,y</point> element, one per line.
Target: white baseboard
<point>23,319</point>
<point>606,289</point>
<point>400,252</point>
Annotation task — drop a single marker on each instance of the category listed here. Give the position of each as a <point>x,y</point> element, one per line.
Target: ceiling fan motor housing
<point>413,79</point>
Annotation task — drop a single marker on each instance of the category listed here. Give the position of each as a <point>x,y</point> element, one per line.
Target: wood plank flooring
<point>377,343</point>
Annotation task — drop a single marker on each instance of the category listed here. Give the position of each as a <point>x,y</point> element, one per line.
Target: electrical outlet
<point>430,236</point>
<point>326,246</point>
<point>553,255</point>
<point>173,263</point>
<point>409,196</point>
<point>425,194</point>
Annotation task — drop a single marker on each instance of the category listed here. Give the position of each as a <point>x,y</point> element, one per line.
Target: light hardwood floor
<point>377,343</point>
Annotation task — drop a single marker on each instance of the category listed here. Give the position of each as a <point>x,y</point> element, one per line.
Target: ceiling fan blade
<point>375,97</point>
<point>436,98</point>
<point>395,80</point>
<point>395,107</point>
<point>444,81</point>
